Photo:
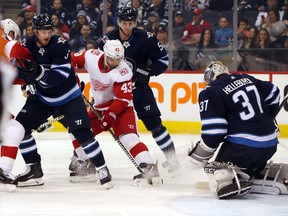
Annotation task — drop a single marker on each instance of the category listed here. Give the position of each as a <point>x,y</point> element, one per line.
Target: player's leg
<point>125,128</point>
<point>79,125</point>
<point>148,111</point>
<point>83,169</point>
<point>33,114</point>
<point>12,136</point>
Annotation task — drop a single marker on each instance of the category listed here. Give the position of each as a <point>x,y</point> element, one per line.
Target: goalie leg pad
<point>227,181</point>
<point>274,180</point>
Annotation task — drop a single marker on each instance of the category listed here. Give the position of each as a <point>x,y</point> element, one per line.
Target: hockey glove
<point>199,156</point>
<point>142,77</point>
<point>31,72</point>
<point>107,119</point>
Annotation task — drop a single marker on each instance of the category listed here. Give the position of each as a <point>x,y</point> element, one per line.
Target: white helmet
<point>213,70</point>
<point>9,25</point>
<point>114,49</point>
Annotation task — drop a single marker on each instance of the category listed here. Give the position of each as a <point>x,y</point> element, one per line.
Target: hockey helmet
<point>9,25</point>
<point>114,49</point>
<point>213,70</point>
<point>42,22</point>
<point>127,14</point>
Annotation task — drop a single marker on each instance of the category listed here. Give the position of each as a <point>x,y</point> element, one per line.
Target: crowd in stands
<point>202,30</point>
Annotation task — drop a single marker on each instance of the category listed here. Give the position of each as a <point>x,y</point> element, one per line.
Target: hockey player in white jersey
<point>237,110</point>
<point>111,86</point>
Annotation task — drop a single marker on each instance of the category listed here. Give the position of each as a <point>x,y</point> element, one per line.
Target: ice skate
<point>7,181</point>
<point>172,164</point>
<point>32,176</point>
<point>150,173</point>
<point>73,163</point>
<point>84,171</point>
<point>104,176</point>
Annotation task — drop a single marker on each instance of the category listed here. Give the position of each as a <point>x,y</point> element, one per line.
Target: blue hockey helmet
<point>42,22</point>
<point>127,14</point>
<point>214,70</point>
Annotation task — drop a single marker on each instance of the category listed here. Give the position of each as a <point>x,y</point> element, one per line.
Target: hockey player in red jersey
<point>13,131</point>
<point>111,86</point>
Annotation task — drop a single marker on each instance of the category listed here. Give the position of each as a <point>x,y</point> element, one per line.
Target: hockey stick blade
<point>44,125</point>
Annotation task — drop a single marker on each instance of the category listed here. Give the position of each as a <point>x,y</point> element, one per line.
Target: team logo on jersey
<point>98,86</point>
<point>61,40</point>
<point>123,71</point>
<point>41,51</point>
<point>126,44</point>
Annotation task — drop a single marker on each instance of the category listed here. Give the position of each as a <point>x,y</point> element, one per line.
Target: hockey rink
<point>186,194</point>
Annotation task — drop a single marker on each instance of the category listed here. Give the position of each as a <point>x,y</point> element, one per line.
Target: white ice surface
<point>177,197</point>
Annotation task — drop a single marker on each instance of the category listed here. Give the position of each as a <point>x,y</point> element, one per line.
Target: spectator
<point>242,30</point>
<point>178,5</point>
<point>161,7</point>
<point>192,31</point>
<point>81,19</point>
<point>91,44</point>
<point>247,50</point>
<point>205,49</point>
<point>28,17</point>
<point>263,53</point>
<point>28,31</point>
<point>57,8</point>
<point>178,28</point>
<point>79,43</point>
<point>224,34</point>
<point>153,22</point>
<point>162,36</point>
<point>111,18</point>
<point>91,12</point>
<point>194,4</point>
<point>274,26</point>
<point>262,15</point>
<point>64,28</point>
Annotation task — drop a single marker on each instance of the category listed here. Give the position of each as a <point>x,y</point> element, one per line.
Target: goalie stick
<point>281,105</point>
<point>113,135</point>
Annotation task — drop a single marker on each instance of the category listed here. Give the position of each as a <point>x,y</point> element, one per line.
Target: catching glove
<point>142,77</point>
<point>199,156</point>
<point>31,72</point>
<point>107,119</point>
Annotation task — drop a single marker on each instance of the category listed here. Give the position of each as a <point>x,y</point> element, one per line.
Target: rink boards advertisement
<point>177,96</point>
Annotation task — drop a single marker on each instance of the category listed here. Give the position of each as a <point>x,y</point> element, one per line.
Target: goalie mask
<point>8,26</point>
<point>214,70</point>
<point>113,49</point>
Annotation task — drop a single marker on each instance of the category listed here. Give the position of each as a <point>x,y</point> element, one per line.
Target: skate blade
<point>156,181</point>
<point>31,183</point>
<point>82,179</point>
<point>7,187</point>
<point>108,185</point>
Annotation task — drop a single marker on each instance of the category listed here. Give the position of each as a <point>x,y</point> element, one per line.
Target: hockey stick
<point>281,105</point>
<point>46,124</point>
<point>113,135</point>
